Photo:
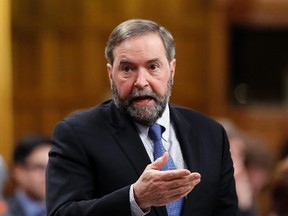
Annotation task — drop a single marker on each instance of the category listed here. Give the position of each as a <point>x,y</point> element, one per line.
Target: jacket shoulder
<point>94,114</point>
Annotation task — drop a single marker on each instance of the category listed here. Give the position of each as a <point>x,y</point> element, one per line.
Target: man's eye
<point>153,67</point>
<point>126,68</point>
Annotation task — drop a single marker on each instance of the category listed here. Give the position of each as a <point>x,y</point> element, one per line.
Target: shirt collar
<point>164,121</point>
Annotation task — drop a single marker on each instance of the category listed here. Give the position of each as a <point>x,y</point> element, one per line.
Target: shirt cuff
<point>135,209</point>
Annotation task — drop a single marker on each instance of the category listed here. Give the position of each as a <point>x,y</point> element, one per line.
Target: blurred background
<point>232,61</point>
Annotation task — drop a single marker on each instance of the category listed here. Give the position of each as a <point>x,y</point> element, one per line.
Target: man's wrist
<point>135,209</point>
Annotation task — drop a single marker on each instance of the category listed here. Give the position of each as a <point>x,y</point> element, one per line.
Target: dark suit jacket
<point>97,154</point>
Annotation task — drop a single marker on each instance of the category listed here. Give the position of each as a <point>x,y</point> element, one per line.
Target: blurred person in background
<point>237,149</point>
<point>3,177</point>
<point>252,162</point>
<point>279,189</point>
<point>258,162</point>
<point>30,159</point>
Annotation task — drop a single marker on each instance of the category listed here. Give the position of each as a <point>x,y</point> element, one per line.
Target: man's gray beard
<point>146,115</point>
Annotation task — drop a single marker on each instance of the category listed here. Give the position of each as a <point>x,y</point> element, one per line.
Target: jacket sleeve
<point>71,184</point>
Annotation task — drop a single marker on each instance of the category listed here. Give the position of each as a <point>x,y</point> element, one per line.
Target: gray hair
<point>138,27</point>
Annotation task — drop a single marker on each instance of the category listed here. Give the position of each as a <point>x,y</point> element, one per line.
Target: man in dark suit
<point>102,160</point>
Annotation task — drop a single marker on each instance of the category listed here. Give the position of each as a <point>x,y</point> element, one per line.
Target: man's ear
<point>109,71</point>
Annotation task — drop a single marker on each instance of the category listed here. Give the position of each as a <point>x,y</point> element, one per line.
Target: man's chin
<point>141,112</point>
<point>143,115</point>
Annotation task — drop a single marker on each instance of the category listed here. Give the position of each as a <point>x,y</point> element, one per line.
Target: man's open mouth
<point>143,100</point>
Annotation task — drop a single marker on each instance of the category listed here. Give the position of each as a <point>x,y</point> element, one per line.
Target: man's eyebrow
<point>124,61</point>
<point>153,60</point>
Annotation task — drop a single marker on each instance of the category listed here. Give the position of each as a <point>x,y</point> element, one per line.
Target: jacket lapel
<point>126,135</point>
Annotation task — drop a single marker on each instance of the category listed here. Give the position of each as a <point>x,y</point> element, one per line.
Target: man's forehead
<point>148,39</point>
<point>149,48</point>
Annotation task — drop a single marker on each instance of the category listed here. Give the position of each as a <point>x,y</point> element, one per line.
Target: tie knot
<point>155,132</point>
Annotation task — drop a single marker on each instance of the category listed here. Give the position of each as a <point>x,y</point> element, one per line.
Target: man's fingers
<point>175,190</point>
<point>170,175</point>
<point>181,187</point>
<point>189,181</point>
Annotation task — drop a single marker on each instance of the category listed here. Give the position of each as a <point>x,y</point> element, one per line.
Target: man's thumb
<point>160,162</point>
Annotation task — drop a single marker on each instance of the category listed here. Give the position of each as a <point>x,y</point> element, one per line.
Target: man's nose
<point>141,79</point>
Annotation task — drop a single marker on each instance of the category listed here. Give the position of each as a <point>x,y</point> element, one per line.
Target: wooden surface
<point>59,65</point>
<point>6,108</point>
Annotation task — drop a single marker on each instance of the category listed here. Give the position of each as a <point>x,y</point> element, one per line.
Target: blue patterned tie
<point>155,133</point>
